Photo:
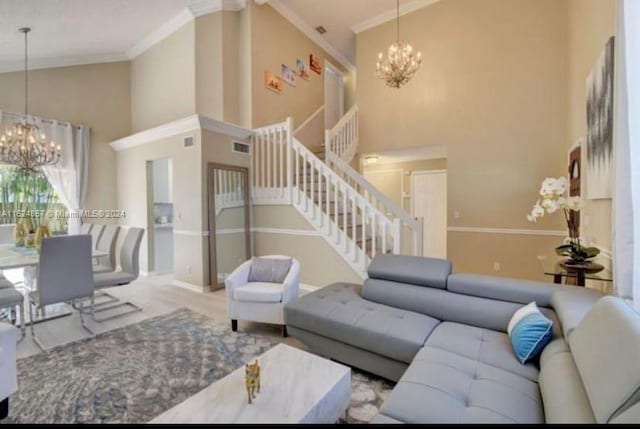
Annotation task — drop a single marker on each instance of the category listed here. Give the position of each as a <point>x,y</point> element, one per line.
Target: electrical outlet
<point>456,214</point>
<point>188,269</point>
<point>496,266</point>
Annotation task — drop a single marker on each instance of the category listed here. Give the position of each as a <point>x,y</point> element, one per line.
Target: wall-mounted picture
<point>600,125</point>
<point>288,74</point>
<point>315,64</point>
<point>302,69</point>
<point>575,169</point>
<point>273,82</point>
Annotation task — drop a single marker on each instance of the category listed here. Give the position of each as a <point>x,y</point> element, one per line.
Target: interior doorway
<point>333,95</point>
<point>160,216</point>
<point>429,201</point>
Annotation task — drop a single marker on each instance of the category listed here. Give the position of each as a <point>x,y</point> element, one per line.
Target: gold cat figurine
<point>252,379</point>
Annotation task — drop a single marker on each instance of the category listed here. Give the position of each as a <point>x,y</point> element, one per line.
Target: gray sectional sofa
<point>442,337</point>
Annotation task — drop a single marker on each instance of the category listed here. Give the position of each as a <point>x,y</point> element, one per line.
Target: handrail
<point>287,172</point>
<point>333,191</point>
<point>346,117</point>
<point>378,199</point>
<point>308,120</point>
<point>342,139</point>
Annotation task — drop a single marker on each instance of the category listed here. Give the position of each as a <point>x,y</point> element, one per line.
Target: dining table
<point>28,258</point>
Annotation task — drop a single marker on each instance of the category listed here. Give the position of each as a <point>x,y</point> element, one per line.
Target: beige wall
<point>493,88</point>
<point>275,41</point>
<point>406,168</point>
<point>133,196</point>
<point>95,95</point>
<point>190,201</point>
<point>591,23</point>
<point>320,264</point>
<point>312,133</point>
<point>208,65</point>
<point>163,81</point>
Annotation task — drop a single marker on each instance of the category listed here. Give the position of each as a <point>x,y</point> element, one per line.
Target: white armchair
<point>8,375</point>
<point>258,301</point>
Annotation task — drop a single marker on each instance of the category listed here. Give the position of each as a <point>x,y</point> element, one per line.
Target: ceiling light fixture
<point>401,63</point>
<point>23,144</point>
<point>372,159</point>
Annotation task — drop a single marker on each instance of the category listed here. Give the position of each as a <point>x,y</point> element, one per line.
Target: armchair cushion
<point>269,270</point>
<point>259,292</point>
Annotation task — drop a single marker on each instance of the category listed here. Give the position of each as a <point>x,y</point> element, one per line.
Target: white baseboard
<point>309,288</point>
<point>189,286</point>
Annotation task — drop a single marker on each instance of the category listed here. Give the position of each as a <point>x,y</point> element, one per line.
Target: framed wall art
<point>599,160</point>
<point>315,64</point>
<point>273,82</point>
<point>288,75</point>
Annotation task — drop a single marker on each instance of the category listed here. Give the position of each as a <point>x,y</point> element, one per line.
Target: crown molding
<point>169,129</point>
<point>181,126</point>
<point>227,128</point>
<point>391,15</point>
<point>311,33</point>
<point>185,16</point>
<point>160,33</point>
<point>49,63</point>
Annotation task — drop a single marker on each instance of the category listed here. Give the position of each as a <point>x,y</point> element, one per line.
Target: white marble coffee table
<point>297,387</point>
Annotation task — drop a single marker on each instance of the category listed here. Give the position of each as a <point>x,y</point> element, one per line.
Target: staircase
<point>356,219</point>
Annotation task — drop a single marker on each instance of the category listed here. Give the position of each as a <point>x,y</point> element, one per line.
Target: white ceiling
<point>78,29</point>
<point>67,32</point>
<point>344,18</point>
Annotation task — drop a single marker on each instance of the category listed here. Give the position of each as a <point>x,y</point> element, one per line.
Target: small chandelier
<point>23,144</point>
<point>401,63</point>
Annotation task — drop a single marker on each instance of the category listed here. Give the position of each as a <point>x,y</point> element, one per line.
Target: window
<point>30,198</point>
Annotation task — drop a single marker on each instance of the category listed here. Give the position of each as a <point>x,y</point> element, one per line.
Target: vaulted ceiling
<point>67,32</point>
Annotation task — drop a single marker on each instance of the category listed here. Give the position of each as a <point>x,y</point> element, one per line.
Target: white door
<point>333,95</point>
<point>429,201</point>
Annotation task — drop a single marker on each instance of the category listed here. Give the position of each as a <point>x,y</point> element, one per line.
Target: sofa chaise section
<point>337,322</point>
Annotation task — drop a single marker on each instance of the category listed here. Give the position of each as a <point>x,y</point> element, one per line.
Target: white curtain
<point>626,198</point>
<point>71,176</point>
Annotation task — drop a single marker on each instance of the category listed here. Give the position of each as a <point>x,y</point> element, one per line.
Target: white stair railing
<point>342,139</point>
<point>228,190</point>
<point>286,172</point>
<point>412,226</point>
<point>271,172</point>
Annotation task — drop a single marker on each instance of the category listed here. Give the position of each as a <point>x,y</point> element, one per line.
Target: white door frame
<point>411,190</point>
<point>330,68</point>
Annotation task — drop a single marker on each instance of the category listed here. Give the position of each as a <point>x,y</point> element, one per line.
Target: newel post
<point>289,159</point>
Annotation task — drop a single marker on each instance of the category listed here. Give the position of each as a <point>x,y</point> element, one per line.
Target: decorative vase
<point>582,266</point>
<point>29,239</point>
<point>41,232</point>
<point>18,234</point>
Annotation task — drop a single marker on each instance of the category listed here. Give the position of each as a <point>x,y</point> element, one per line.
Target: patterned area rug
<point>133,374</point>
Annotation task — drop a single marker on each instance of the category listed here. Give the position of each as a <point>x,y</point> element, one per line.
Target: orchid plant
<point>553,198</point>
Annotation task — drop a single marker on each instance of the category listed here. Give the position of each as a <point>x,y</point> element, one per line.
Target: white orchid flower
<point>553,192</point>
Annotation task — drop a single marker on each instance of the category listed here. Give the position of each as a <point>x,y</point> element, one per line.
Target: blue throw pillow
<point>530,335</point>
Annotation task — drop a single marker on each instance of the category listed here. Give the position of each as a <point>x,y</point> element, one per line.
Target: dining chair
<point>129,271</point>
<point>85,228</point>
<point>96,233</point>
<point>107,243</point>
<point>64,275</point>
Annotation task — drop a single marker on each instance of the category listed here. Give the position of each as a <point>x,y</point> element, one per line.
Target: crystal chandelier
<point>401,63</point>
<point>23,144</point>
